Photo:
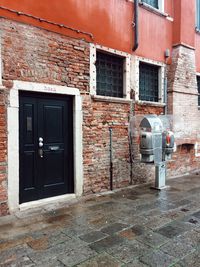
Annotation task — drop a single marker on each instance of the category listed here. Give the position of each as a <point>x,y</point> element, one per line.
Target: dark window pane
<point>198,85</point>
<point>109,75</point>
<point>153,3</point>
<point>148,82</point>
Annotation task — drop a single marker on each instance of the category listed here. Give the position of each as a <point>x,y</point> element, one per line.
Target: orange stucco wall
<point>184,22</point>
<point>197,52</point>
<point>110,21</point>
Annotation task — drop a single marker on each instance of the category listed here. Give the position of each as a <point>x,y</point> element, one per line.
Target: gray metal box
<point>151,139</point>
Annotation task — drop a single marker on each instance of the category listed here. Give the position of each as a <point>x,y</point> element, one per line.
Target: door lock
<point>41,142</point>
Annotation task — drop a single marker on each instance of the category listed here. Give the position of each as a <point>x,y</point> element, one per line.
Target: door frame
<point>13,141</point>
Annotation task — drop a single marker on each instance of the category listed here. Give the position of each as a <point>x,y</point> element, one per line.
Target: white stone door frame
<point>13,140</point>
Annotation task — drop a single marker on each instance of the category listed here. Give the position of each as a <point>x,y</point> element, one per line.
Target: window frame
<point>93,72</point>
<point>161,5</point>
<point>156,76</point>
<point>161,77</point>
<point>198,91</point>
<point>106,75</point>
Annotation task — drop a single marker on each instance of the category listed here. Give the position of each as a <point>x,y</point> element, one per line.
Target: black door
<point>46,146</point>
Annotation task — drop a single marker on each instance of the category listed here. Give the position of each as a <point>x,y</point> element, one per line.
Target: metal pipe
<point>131,157</point>
<point>136,25</point>
<point>111,161</point>
<point>165,94</point>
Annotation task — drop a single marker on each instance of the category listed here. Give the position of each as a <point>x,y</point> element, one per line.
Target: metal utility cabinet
<point>156,146</point>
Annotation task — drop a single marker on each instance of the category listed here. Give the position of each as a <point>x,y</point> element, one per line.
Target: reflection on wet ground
<point>137,226</point>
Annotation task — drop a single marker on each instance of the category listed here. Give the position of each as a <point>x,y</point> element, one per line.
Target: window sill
<point>111,99</point>
<point>153,10</point>
<point>148,103</point>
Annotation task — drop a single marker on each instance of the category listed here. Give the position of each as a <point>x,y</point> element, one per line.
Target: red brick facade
<point>36,55</point>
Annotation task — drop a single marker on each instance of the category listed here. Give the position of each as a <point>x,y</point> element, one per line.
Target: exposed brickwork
<point>183,161</point>
<point>55,59</point>
<point>182,99</point>
<point>142,173</point>
<point>148,109</point>
<point>98,118</point>
<point>36,55</point>
<point>31,54</point>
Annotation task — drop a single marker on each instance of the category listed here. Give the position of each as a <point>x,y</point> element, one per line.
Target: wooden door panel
<point>50,173</point>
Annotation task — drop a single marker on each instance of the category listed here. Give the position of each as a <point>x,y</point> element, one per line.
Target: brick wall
<point>142,172</point>
<point>184,161</point>
<point>98,118</point>
<point>36,55</point>
<point>183,104</point>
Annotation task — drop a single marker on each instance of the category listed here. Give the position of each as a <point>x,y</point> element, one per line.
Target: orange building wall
<point>184,22</point>
<point>197,52</point>
<point>110,21</point>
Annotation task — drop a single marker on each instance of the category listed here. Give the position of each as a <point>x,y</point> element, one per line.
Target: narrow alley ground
<point>135,227</point>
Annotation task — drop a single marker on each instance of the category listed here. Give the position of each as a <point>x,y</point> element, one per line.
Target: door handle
<point>40,152</point>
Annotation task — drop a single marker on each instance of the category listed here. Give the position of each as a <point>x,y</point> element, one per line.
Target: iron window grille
<point>153,3</point>
<point>148,82</point>
<point>198,87</point>
<point>109,70</point>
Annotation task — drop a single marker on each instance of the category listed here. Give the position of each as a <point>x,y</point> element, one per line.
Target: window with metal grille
<point>109,75</point>
<point>148,82</point>
<point>198,86</point>
<point>153,3</point>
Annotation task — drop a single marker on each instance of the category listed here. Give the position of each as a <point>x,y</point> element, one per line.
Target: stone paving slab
<point>135,263</point>
<point>152,239</point>
<point>76,256</point>
<point>126,252</point>
<point>101,260</point>
<point>92,236</point>
<point>158,259</point>
<point>133,227</point>
<point>169,231</point>
<point>106,243</point>
<point>132,232</point>
<point>177,249</point>
<point>192,260</point>
<point>114,228</point>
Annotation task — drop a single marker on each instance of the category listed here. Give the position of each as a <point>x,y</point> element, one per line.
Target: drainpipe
<point>165,93</point>
<point>135,25</point>
<point>111,161</point>
<point>167,55</point>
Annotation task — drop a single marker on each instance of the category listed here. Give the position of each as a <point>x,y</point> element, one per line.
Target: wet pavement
<point>134,227</point>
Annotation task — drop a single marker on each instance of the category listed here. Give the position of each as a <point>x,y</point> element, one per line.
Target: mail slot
<point>54,148</point>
